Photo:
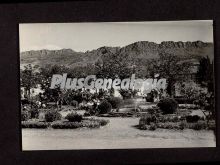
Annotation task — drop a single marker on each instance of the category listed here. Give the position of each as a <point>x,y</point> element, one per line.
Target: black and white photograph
<point>117,85</point>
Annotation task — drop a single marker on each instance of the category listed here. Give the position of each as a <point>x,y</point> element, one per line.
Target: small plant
<point>25,115</point>
<point>200,125</point>
<point>116,102</point>
<point>88,123</point>
<point>101,121</point>
<point>147,119</point>
<point>153,126</point>
<point>34,113</point>
<point>192,119</point>
<point>74,103</point>
<point>52,115</point>
<point>34,124</point>
<point>104,107</point>
<point>74,117</point>
<point>87,114</point>
<point>168,105</point>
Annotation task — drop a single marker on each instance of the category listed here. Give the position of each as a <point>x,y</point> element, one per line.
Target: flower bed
<point>174,121</point>
<point>117,114</point>
<point>34,124</point>
<point>87,122</point>
<point>200,125</point>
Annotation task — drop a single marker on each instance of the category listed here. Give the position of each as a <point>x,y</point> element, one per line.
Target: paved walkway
<point>119,133</point>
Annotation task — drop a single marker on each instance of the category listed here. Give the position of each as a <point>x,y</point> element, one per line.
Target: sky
<point>88,36</point>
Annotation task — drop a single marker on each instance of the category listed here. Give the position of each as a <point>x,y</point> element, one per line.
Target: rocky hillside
<point>141,50</point>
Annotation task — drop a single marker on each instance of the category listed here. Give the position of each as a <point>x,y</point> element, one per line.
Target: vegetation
<point>116,65</point>
<point>52,115</point>
<point>104,107</point>
<point>34,113</point>
<point>74,117</point>
<point>192,119</point>
<point>34,124</point>
<point>25,115</point>
<point>171,67</point>
<point>167,105</point>
<point>89,123</point>
<point>116,102</point>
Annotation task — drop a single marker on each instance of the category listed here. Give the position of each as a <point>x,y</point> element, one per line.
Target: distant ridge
<point>139,50</point>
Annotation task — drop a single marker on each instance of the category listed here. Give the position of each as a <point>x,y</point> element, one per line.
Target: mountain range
<point>141,50</point>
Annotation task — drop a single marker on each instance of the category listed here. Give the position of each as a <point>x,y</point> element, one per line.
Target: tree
<point>114,65</point>
<point>171,67</point>
<point>205,77</point>
<point>29,78</point>
<point>45,77</point>
<point>205,74</point>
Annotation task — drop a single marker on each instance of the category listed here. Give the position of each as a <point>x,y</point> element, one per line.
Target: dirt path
<point>120,133</point>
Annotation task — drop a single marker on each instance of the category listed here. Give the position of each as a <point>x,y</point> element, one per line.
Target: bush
<point>66,125</point>
<point>150,127</point>
<point>153,126</point>
<point>184,100</point>
<point>104,107</point>
<point>74,117</point>
<point>74,103</point>
<point>192,119</point>
<point>34,124</point>
<point>169,125</point>
<point>87,114</point>
<point>116,102</point>
<point>34,113</point>
<point>52,115</point>
<point>188,106</point>
<point>88,123</point>
<point>211,125</point>
<point>25,115</point>
<point>200,125</point>
<point>147,119</point>
<point>168,105</point>
<point>101,121</point>
<point>169,118</point>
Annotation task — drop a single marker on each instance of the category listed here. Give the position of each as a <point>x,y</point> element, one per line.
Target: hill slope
<point>141,50</point>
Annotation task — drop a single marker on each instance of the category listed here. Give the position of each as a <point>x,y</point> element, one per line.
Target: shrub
<point>150,127</point>
<point>52,115</point>
<point>74,117</point>
<point>87,114</point>
<point>147,119</point>
<point>101,121</point>
<point>34,113</point>
<point>169,118</point>
<point>192,119</point>
<point>188,106</point>
<point>184,100</point>
<point>197,126</point>
<point>34,124</point>
<point>104,107</point>
<point>116,102</point>
<point>211,125</point>
<point>74,103</point>
<point>182,125</point>
<point>168,105</point>
<point>66,125</point>
<point>89,123</point>
<point>153,126</point>
<point>25,115</point>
